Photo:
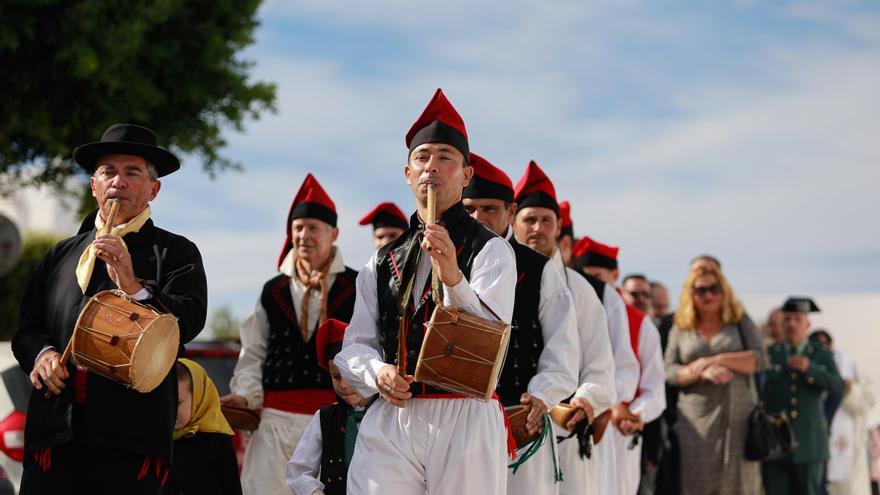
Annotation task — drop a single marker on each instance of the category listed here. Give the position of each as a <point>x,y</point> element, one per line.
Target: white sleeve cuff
<point>44,349</point>
<point>142,294</point>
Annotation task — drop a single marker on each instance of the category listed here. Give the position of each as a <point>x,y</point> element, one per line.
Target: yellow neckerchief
<point>206,416</point>
<point>86,264</point>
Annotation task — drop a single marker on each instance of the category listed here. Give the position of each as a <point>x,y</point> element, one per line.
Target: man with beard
<point>541,366</point>
<point>278,369</point>
<point>536,224</point>
<point>419,439</point>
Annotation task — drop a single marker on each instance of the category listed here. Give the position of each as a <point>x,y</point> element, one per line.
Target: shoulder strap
<point>753,383</point>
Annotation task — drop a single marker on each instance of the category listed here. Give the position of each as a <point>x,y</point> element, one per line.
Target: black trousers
<point>81,469</point>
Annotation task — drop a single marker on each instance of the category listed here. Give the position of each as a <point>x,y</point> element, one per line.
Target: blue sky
<point>745,129</point>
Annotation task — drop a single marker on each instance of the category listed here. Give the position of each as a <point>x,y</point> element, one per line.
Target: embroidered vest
<point>334,472</point>
<point>292,364</point>
<point>526,337</point>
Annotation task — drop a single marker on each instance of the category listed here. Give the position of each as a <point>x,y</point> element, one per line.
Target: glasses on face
<point>702,291</point>
<point>640,294</point>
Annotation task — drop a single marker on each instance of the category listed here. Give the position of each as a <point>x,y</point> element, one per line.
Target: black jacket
<point>118,417</point>
<point>204,464</point>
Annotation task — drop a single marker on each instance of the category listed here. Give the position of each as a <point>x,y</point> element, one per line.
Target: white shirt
<point>596,377</point>
<point>493,277</point>
<point>557,375</point>
<point>247,379</point>
<point>304,466</point>
<point>651,400</point>
<point>626,366</point>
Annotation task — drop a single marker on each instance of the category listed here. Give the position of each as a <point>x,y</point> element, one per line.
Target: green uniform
<point>801,396</point>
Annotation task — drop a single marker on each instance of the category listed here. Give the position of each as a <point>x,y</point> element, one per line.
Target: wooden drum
<point>462,353</point>
<point>125,341</point>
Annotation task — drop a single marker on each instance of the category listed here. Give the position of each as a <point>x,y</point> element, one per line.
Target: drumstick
<point>111,217</point>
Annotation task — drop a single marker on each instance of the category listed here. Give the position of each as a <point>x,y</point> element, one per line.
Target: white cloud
<point>773,169</point>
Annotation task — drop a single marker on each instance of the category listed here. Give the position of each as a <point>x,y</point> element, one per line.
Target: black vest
<point>292,364</point>
<point>526,337</point>
<point>334,472</point>
<point>469,237</point>
<point>598,285</point>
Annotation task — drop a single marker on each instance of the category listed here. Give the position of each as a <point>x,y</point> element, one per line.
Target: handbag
<point>767,435</point>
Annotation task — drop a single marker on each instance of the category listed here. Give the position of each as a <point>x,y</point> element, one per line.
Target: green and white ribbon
<point>535,445</point>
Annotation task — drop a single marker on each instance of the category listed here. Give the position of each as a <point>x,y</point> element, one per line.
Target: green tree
<point>35,246</point>
<point>224,324</point>
<point>72,68</point>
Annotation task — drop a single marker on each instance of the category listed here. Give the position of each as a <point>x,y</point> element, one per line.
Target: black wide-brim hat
<point>127,139</point>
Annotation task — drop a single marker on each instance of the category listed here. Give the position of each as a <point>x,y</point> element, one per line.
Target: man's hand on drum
<point>537,410</point>
<point>439,246</point>
<point>584,410</point>
<point>48,370</point>
<point>112,250</point>
<point>393,387</point>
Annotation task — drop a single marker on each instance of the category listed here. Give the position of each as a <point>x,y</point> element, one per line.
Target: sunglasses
<point>713,289</point>
<point>636,294</point>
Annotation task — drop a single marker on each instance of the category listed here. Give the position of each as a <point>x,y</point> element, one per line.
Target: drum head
<point>154,354</point>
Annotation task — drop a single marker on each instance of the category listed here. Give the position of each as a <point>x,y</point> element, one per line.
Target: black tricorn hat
<point>127,139</point>
<point>797,304</point>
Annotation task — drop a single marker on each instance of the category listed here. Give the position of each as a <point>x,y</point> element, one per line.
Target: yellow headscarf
<point>206,416</point>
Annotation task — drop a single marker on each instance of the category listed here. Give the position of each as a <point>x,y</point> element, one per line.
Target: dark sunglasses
<point>713,289</point>
<point>636,294</point>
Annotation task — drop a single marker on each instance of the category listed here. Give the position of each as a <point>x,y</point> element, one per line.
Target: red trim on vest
<point>394,265</point>
<point>281,284</point>
<point>302,401</point>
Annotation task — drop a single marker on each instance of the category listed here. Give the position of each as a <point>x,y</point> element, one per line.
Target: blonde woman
<point>707,359</point>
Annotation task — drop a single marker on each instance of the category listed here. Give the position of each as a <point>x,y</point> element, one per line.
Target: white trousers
<point>269,449</point>
<point>605,455</point>
<point>579,475</point>
<point>628,462</point>
<point>433,446</point>
<point>536,476</point>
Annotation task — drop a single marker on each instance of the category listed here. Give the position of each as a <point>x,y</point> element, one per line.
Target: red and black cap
<point>328,341</point>
<point>311,201</point>
<point>385,215</point>
<point>439,123</point>
<point>565,220</point>
<point>587,252</point>
<point>488,182</point>
<point>535,189</point>
<point>799,304</point>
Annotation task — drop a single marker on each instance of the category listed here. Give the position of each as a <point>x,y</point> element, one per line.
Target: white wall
<point>41,209</point>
